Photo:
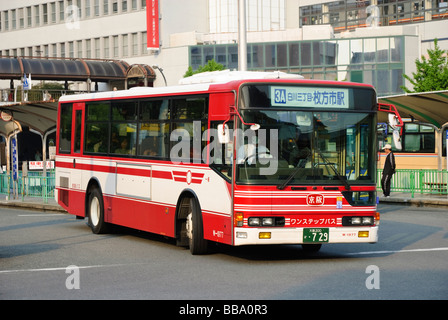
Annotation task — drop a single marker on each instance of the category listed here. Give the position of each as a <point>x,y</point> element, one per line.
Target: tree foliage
<point>432,73</point>
<point>211,65</point>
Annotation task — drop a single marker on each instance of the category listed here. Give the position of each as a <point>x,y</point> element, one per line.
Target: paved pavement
<point>419,200</point>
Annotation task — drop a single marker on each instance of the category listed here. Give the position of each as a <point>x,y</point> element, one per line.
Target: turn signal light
<point>363,234</point>
<point>264,235</point>
<point>238,219</point>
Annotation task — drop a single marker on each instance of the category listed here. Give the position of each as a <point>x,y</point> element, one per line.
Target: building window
<point>144,43</point>
<point>97,8</point>
<point>134,40</point>
<point>87,8</point>
<point>88,48</point>
<point>115,46</point>
<point>36,16</point>
<point>71,49</point>
<point>45,13</point>
<point>97,48</point>
<point>106,47</point>
<point>13,20</point>
<point>125,45</point>
<point>61,11</point>
<point>53,12</point>
<point>79,48</point>
<point>262,15</point>
<point>105,7</point>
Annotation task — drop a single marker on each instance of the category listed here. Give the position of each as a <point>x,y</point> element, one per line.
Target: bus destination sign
<point>310,97</point>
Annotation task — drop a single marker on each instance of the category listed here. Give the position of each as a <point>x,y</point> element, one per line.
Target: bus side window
<point>65,130</point>
<point>97,127</point>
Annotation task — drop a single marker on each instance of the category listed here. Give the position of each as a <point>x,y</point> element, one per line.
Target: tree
<point>211,65</point>
<point>432,73</point>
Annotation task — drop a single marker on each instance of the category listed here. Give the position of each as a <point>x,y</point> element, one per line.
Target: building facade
<point>374,41</point>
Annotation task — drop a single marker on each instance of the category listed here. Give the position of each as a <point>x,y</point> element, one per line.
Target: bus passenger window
<point>65,133</point>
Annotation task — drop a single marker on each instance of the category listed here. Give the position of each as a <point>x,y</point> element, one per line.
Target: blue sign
<point>310,97</point>
<point>15,160</point>
<point>26,84</point>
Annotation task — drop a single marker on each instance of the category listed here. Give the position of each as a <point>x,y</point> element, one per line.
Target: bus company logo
<point>188,177</point>
<point>315,199</point>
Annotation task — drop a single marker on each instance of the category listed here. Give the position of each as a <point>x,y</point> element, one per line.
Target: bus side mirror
<point>223,133</point>
<point>397,139</point>
<point>393,121</point>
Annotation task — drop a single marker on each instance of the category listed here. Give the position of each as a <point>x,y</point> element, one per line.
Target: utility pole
<point>242,40</point>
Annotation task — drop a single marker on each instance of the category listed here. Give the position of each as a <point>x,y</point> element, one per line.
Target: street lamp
<point>161,71</point>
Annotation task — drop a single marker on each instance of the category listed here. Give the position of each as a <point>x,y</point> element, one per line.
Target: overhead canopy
<point>426,107</point>
<point>38,116</point>
<point>67,69</point>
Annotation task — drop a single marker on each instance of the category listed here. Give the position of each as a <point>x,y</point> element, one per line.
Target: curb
<point>416,202</point>
<point>32,206</point>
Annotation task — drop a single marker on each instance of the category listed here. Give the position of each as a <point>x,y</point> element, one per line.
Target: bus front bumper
<point>252,236</point>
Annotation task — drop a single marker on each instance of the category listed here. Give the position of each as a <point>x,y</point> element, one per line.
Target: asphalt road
<point>55,256</point>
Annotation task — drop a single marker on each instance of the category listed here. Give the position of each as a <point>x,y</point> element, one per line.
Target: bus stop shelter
<point>38,110</point>
<point>430,108</point>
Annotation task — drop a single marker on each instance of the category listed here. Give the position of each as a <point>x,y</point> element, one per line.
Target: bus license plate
<point>316,235</point>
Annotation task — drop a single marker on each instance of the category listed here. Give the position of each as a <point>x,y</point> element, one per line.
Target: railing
<point>418,181</point>
<point>423,181</point>
<point>19,95</point>
<point>35,184</point>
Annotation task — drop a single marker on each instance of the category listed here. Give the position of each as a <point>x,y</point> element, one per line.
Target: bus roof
<point>199,83</point>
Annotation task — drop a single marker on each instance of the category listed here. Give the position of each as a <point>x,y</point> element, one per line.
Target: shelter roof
<point>426,107</point>
<point>66,69</point>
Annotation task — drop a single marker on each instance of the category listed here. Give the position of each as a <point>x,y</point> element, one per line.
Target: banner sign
<point>15,160</point>
<point>39,165</point>
<point>310,97</point>
<point>152,24</point>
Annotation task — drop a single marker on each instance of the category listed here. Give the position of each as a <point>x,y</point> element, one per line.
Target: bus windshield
<point>295,147</point>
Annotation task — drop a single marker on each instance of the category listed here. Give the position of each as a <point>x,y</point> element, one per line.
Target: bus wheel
<point>96,212</point>
<point>311,248</point>
<point>195,231</point>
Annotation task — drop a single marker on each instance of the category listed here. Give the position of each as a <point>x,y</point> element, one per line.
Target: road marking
<point>397,251</point>
<point>60,268</point>
<point>41,215</point>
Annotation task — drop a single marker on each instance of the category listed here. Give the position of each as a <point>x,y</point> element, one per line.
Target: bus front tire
<point>96,212</point>
<point>195,230</point>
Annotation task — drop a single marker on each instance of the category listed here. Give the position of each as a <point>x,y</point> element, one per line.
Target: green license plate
<point>316,235</point>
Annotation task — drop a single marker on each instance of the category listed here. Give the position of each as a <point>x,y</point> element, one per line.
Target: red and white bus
<point>251,160</point>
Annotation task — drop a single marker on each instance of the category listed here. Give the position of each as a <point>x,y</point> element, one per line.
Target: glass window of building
<point>261,15</point>
<point>352,14</point>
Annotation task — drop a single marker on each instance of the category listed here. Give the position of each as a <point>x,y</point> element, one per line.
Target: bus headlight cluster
<point>266,221</point>
<point>358,221</point>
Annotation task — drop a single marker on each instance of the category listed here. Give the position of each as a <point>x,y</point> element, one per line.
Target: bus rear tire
<point>95,212</point>
<point>195,230</point>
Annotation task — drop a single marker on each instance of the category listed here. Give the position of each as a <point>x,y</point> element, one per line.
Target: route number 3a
<point>280,96</point>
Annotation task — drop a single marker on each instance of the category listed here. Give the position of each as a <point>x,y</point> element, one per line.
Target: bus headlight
<point>358,221</point>
<point>254,222</point>
<point>266,221</point>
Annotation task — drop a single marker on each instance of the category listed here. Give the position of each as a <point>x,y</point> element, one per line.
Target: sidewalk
<point>419,200</point>
<point>31,203</point>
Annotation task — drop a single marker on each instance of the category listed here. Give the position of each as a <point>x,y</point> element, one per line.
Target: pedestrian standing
<point>388,170</point>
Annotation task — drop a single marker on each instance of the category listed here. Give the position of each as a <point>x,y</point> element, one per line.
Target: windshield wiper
<point>300,165</point>
<point>344,181</point>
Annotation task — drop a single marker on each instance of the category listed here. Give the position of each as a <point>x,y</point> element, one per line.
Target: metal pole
<point>242,41</point>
